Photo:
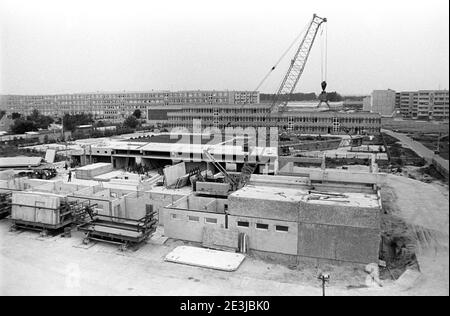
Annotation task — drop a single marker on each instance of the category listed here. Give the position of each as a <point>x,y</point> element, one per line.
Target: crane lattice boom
<point>297,63</point>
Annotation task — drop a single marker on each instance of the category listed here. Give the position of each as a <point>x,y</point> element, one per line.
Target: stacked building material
<point>88,172</point>
<point>36,207</point>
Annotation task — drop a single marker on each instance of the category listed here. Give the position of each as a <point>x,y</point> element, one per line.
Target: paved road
<point>421,150</point>
<point>417,147</point>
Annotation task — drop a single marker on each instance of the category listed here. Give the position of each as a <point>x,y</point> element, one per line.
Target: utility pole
<point>438,144</point>
<point>324,278</point>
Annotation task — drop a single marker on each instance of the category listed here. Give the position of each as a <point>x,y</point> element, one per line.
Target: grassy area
<point>9,150</point>
<point>412,126</point>
<point>399,156</point>
<point>425,132</point>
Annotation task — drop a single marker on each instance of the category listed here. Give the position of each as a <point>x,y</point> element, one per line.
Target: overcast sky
<point>84,46</point>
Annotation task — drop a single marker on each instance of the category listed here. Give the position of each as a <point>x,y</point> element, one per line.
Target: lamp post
<point>324,277</point>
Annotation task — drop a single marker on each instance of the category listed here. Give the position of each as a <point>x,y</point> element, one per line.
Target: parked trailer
<point>124,232</point>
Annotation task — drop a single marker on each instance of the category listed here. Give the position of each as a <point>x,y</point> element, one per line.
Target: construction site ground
<point>30,264</point>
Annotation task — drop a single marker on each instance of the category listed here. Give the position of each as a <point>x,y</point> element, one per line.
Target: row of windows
<point>192,218</point>
<point>225,111</point>
<point>243,224</point>
<point>350,120</point>
<point>187,94</point>
<point>262,226</point>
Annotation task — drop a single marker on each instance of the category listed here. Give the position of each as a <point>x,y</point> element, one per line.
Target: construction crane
<point>235,182</point>
<point>297,66</point>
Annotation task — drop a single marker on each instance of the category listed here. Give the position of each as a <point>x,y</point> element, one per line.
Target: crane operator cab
<point>323,96</point>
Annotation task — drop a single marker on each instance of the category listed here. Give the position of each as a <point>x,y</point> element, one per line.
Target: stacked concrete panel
<point>91,171</point>
<point>36,207</point>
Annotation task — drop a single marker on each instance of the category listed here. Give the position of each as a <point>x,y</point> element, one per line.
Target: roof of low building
<point>20,161</point>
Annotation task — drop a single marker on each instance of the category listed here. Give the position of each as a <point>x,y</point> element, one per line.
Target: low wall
<point>189,225</point>
<point>441,166</point>
<point>334,175</point>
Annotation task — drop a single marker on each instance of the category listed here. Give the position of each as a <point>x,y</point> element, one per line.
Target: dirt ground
<point>421,216</point>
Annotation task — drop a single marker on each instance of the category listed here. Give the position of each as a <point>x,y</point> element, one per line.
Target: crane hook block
<point>324,85</point>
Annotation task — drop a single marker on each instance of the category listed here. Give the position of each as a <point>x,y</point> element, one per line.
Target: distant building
<point>381,102</point>
<point>432,104</point>
<point>366,103</point>
<point>259,115</point>
<point>115,107</point>
<point>356,104</point>
<point>397,100</point>
<point>424,104</point>
<point>408,104</point>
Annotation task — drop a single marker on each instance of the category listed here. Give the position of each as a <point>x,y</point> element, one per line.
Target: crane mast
<point>297,65</point>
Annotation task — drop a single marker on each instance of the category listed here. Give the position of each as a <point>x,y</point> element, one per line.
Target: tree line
<point>36,121</point>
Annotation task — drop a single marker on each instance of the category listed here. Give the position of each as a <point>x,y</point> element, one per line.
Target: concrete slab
<point>206,258</point>
<point>408,279</point>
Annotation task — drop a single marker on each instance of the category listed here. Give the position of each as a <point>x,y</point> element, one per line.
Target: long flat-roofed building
<point>308,120</point>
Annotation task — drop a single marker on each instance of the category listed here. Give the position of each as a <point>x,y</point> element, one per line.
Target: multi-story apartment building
<point>116,106</point>
<point>407,103</point>
<point>425,104</point>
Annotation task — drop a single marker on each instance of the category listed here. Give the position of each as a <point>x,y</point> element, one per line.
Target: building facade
<point>382,102</point>
<point>115,107</point>
<point>432,104</point>
<point>407,103</point>
<point>366,103</point>
<point>423,104</point>
<point>258,115</point>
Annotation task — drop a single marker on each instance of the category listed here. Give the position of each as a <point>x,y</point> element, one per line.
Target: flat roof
<point>20,161</point>
<point>213,149</point>
<point>299,194</point>
<point>187,190</point>
<point>94,166</point>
